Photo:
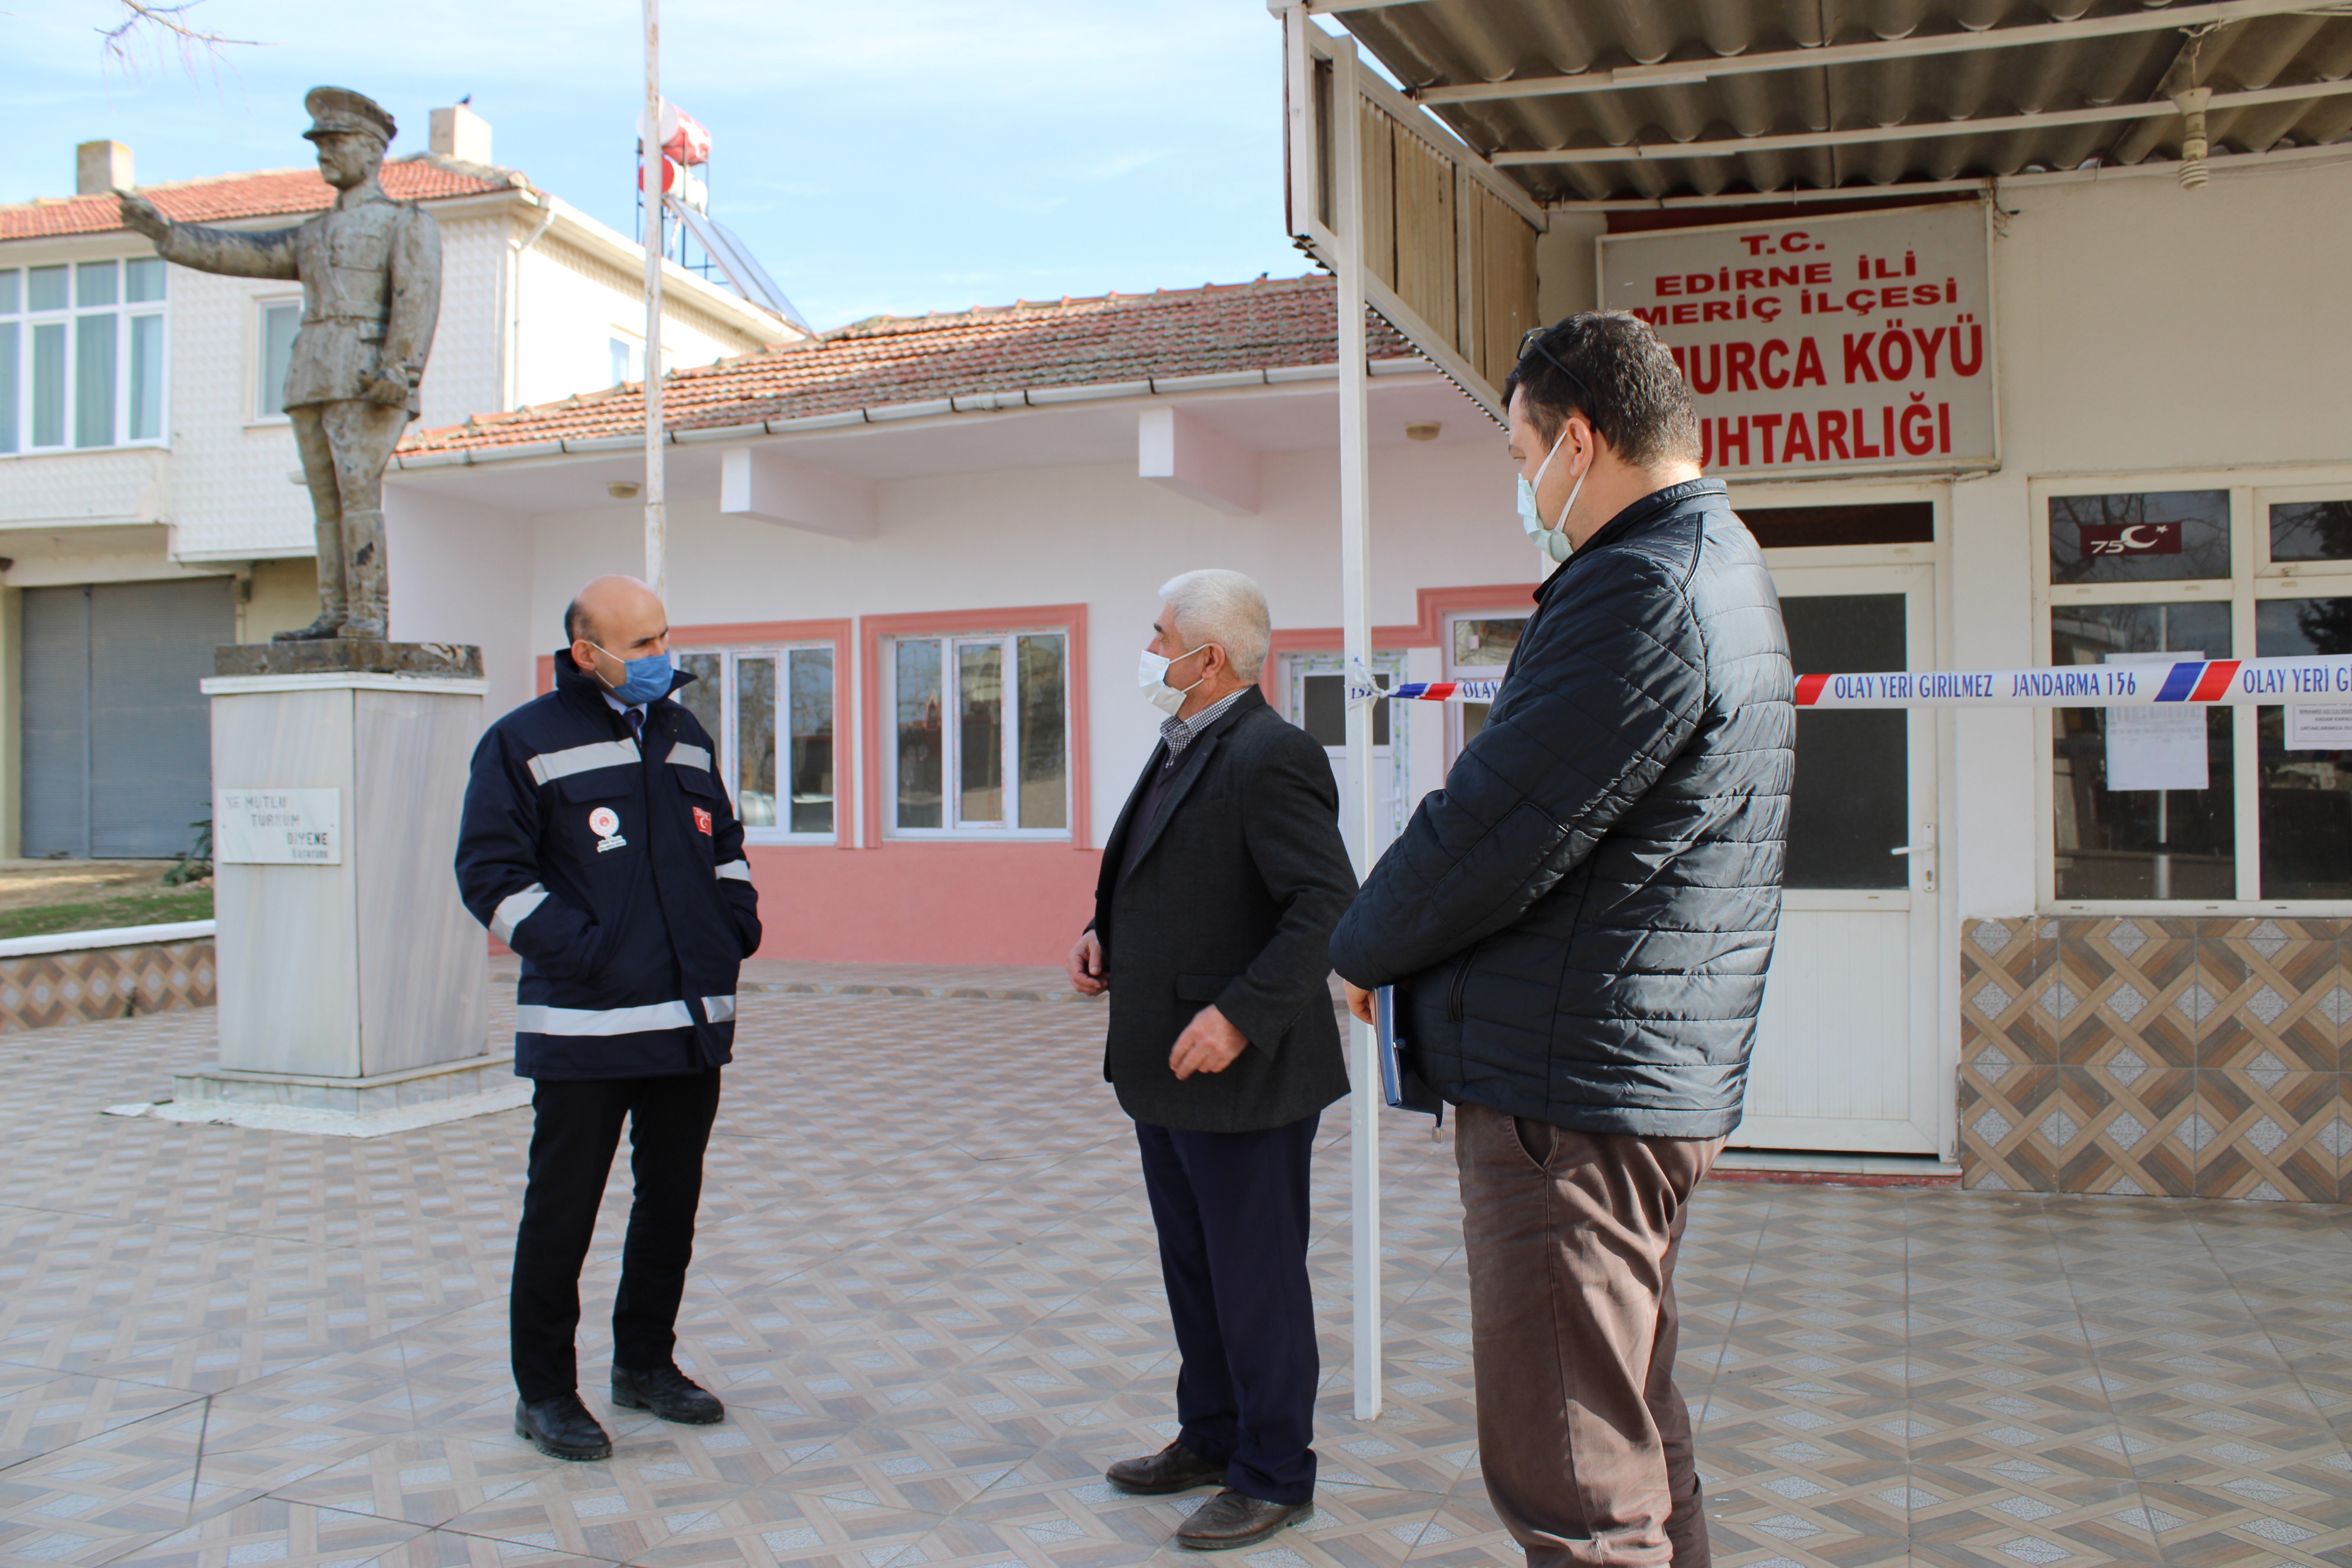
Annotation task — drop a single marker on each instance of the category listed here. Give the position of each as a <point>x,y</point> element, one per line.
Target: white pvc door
<point>1318,705</point>
<point>1847,1049</point>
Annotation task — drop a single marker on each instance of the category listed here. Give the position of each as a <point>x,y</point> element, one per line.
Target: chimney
<point>100,167</point>
<point>459,132</point>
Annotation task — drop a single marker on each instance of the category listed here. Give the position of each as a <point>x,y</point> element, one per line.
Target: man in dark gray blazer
<point>1220,888</point>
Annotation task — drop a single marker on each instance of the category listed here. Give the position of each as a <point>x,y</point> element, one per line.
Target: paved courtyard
<point>926,1288</point>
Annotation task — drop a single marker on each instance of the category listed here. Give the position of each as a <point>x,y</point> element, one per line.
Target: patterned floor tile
<point>2253,1518</point>
<point>252,1347</point>
<point>617,1509</point>
<point>2277,1136</point>
<point>270,1529</point>
<point>136,1478</point>
<point>42,1411</point>
<point>770,1528</point>
<point>419,1480</point>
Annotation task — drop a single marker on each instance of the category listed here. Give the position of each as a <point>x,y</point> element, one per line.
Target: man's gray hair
<point>1225,609</point>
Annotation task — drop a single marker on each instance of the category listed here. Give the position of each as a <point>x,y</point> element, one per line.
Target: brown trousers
<point>1572,1238</point>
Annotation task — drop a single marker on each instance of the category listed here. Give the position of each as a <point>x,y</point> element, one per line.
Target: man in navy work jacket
<point>1579,924</point>
<point>598,844</point>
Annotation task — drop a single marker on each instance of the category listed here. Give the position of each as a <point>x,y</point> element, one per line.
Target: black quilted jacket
<point>1580,920</point>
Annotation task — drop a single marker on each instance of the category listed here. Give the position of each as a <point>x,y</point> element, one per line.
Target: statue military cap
<point>337,109</point>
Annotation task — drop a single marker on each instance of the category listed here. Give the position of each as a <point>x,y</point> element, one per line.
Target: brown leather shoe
<point>1229,1520</point>
<point>1174,1468</point>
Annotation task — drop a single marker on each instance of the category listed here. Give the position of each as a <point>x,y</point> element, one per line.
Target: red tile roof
<point>1113,340</point>
<point>421,178</point>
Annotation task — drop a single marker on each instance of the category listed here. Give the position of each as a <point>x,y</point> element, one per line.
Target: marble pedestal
<point>364,984</point>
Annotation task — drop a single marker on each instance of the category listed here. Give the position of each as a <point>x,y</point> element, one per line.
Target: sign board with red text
<point>1825,343</point>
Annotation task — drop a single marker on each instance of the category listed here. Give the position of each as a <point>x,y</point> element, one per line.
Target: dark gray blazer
<point>1242,877</point>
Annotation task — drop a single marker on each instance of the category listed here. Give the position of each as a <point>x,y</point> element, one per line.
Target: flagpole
<point>650,174</point>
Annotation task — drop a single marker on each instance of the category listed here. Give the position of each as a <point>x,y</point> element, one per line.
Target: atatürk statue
<point>371,272</point>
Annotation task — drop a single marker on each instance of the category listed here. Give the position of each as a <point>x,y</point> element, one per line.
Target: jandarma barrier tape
<point>2221,682</point>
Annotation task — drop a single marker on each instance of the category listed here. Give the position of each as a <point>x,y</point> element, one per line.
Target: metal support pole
<point>1356,620</point>
<point>650,172</point>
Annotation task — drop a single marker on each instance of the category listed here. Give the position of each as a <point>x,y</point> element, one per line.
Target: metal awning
<point>1640,100</point>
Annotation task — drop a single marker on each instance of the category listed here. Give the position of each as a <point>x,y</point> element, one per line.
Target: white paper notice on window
<point>2160,747</point>
<point>2313,728</point>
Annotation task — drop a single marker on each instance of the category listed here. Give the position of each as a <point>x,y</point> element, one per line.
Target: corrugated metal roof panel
<point>1479,45</point>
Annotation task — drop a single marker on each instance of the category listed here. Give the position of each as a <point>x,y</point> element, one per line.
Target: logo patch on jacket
<point>606,823</point>
<point>702,822</point>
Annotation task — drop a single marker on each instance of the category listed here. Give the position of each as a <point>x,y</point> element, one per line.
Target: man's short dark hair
<point>575,623</point>
<point>1609,367</point>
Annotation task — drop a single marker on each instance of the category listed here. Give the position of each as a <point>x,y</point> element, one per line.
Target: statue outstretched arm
<point>240,253</point>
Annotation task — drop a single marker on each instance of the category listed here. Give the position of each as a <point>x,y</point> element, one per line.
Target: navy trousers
<point>575,1131</point>
<point>1231,1208</point>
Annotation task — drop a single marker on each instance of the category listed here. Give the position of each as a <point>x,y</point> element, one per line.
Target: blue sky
<point>923,155</point>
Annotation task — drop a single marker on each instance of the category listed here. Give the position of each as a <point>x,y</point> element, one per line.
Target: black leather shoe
<point>562,1429</point>
<point>1175,1468</point>
<point>1229,1520</point>
<point>669,1393</point>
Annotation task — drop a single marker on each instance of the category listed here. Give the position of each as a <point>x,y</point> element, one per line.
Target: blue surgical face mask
<point>647,678</point>
<point>1554,540</point>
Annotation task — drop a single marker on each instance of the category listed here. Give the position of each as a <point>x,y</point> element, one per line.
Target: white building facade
<point>854,554</point>
<point>150,502</point>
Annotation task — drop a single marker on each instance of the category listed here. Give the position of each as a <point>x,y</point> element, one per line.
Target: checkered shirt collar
<point>1181,732</point>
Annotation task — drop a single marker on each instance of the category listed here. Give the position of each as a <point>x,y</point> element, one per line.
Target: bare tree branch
<point>157,24</point>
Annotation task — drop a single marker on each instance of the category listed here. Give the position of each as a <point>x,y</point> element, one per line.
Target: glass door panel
<point>1851,804</point>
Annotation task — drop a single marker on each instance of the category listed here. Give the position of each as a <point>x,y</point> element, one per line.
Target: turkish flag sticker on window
<point>702,822</point>
<point>2131,539</point>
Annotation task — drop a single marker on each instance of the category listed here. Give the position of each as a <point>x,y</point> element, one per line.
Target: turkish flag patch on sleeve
<point>702,822</point>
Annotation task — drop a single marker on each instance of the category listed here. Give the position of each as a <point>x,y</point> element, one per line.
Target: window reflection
<point>1850,804</point>
<point>980,734</point>
<point>2150,843</point>
<point>703,695</point>
<point>1480,648</point>
<point>2306,789</point>
<point>755,741</point>
<point>1045,734</point>
<point>2161,536</point>
<point>921,743</point>
<point>2311,531</point>
<point>811,741</point>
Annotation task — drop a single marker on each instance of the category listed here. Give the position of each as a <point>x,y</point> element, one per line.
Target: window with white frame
<point>2200,805</point>
<point>276,322</point>
<point>771,711</point>
<point>1477,647</point>
<point>81,355</point>
<point>980,734</point>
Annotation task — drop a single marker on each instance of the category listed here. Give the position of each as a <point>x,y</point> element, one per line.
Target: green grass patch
<point>158,908</point>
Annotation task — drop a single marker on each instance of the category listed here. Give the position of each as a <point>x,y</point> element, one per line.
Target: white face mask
<point>1553,540</point>
<point>1151,674</point>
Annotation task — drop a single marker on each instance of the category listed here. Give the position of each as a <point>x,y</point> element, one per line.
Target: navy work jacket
<point>614,866</point>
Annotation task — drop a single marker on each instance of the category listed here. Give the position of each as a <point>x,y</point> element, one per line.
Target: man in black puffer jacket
<point>1579,925</point>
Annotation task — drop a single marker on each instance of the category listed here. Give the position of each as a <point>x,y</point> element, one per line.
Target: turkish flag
<point>2131,539</point>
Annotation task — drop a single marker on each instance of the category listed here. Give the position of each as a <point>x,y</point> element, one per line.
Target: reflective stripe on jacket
<point>613,866</point>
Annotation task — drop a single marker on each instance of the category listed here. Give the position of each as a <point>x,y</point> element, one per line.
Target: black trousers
<point>578,1127</point>
<point>1231,1209</point>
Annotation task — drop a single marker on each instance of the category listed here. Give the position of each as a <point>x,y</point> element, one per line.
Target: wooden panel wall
<point>1457,255</point>
<point>1424,232</point>
<point>1379,194</point>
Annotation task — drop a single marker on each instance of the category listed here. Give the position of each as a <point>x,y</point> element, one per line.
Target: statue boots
<point>364,577</point>
<point>332,602</point>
